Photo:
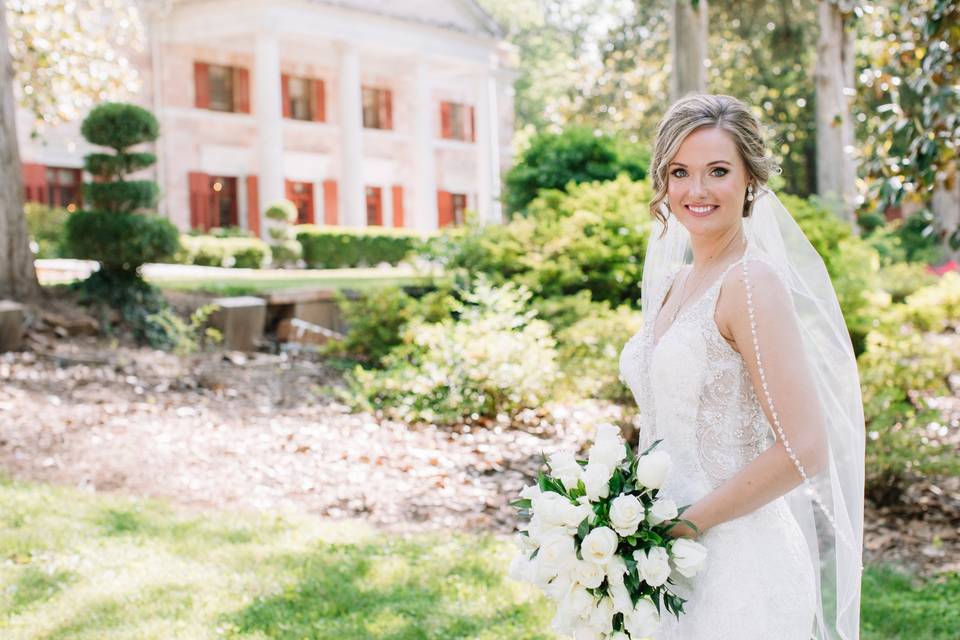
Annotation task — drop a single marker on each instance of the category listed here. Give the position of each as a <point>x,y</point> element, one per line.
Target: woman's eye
<point>721,169</point>
<point>674,173</point>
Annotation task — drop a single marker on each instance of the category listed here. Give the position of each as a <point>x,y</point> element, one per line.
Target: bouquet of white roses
<point>596,540</point>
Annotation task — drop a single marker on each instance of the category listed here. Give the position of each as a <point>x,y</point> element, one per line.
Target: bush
<point>167,330</point>
<point>332,247</point>
<point>228,251</point>
<point>589,352</point>
<point>284,248</point>
<point>935,308</point>
<point>590,238</point>
<point>554,160</point>
<point>900,375</point>
<point>495,358</point>
<point>913,239</point>
<point>903,278</point>
<point>47,228</point>
<point>119,125</point>
<point>121,241</point>
<point>121,197</point>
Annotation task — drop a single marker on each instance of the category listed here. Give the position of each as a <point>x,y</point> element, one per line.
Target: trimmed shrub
<point>121,241</point>
<point>284,248</point>
<point>119,125</point>
<point>333,247</point>
<point>229,251</point>
<point>121,197</point>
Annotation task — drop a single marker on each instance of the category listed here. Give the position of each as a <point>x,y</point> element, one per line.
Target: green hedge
<point>46,227</point>
<point>121,196</point>
<point>210,251</point>
<point>332,247</point>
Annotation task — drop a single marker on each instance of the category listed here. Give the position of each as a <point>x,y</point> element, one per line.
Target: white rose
<point>551,508</point>
<point>626,513</point>
<point>578,601</point>
<point>616,569</point>
<point>663,509</point>
<point>559,587</point>
<point>652,469</point>
<point>653,565</point>
<point>643,620</point>
<point>608,448</point>
<point>619,635</point>
<point>564,467</point>
<point>562,622</point>
<point>688,556</point>
<point>596,478</point>
<point>599,545</point>
<point>621,598</point>
<point>557,554</point>
<point>588,574</point>
<point>576,513</point>
<point>584,631</point>
<point>525,544</point>
<point>530,491</point>
<point>521,568</point>
<point>601,618</point>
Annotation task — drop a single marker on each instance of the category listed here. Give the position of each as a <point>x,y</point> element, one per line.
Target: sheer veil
<point>828,506</point>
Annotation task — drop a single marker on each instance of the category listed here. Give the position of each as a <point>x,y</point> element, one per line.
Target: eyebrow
<point>708,164</point>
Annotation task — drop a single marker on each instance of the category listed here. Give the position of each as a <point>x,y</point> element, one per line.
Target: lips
<point>701,210</point>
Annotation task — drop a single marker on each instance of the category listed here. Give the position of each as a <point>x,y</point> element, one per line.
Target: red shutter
<point>445,120</point>
<point>201,84</point>
<point>319,101</point>
<point>199,200</point>
<point>386,109</point>
<point>397,206</point>
<point>241,90</point>
<point>253,205</point>
<point>330,202</point>
<point>472,135</point>
<point>285,94</point>
<point>444,208</point>
<point>35,182</point>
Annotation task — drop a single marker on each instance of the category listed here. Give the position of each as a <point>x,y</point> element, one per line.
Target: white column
<point>352,201</point>
<point>424,214</point>
<point>488,150</point>
<point>268,110</point>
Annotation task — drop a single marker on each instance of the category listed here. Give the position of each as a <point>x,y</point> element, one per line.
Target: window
<point>223,192</point>
<point>222,88</point>
<point>456,121</point>
<point>301,195</point>
<point>459,206</point>
<point>377,108</point>
<point>63,187</point>
<point>303,98</point>
<point>374,206</point>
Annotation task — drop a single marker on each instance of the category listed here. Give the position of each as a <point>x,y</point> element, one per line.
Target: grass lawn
<point>254,286</point>
<point>80,565</point>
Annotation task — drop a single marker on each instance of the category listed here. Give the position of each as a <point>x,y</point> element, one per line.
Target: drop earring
<point>750,193</point>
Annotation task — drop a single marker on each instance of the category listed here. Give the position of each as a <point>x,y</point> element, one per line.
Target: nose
<point>697,188</point>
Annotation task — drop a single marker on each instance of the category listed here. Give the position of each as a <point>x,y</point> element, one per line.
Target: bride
<point>745,371</point>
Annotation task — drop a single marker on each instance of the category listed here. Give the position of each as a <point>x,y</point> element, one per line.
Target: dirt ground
<point>229,430</point>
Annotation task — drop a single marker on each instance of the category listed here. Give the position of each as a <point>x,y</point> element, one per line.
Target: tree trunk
<point>945,204</point>
<point>688,48</point>
<point>18,279</point>
<point>836,168</point>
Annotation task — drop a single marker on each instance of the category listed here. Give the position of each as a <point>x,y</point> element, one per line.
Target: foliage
<point>121,197</point>
<point>935,308</point>
<point>165,329</point>
<point>589,238</point>
<point>119,125</point>
<point>284,249</point>
<point>226,251</point>
<point>900,374</point>
<point>903,278</point>
<point>376,320</point>
<point>910,101</point>
<point>129,295</point>
<point>495,357</point>
<point>588,351</point>
<point>46,226</point>
<point>332,247</point>
<point>121,241</point>
<point>70,54</point>
<point>577,154</point>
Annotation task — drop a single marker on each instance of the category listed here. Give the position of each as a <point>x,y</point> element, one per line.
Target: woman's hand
<point>681,530</point>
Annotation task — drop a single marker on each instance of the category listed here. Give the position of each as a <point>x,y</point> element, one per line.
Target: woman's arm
<point>792,389</point>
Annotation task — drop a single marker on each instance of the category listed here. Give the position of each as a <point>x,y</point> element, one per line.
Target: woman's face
<point>707,182</point>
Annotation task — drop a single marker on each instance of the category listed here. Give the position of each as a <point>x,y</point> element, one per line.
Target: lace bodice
<point>695,393</point>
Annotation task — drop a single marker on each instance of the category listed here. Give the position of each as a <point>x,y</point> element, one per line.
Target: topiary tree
<point>114,229</point>
<point>284,248</point>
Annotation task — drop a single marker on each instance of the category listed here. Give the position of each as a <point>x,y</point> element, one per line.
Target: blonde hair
<point>695,111</point>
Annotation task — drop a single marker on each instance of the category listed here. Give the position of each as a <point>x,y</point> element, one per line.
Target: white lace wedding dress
<point>694,393</point>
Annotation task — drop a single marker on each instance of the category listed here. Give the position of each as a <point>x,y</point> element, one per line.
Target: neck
<point>708,249</point>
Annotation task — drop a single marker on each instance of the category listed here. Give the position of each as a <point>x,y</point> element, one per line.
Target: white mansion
<point>362,112</point>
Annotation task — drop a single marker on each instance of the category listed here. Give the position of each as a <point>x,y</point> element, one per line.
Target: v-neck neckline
<point>653,328</point>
